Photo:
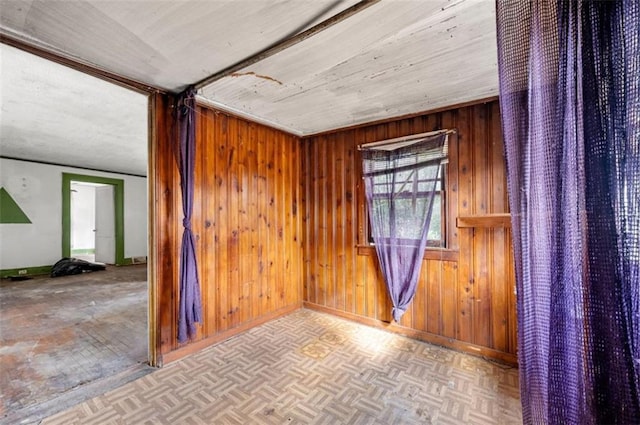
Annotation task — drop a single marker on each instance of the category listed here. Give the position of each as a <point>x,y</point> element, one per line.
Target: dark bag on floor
<point>71,266</point>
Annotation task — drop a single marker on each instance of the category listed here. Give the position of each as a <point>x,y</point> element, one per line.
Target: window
<point>416,178</point>
<point>436,236</point>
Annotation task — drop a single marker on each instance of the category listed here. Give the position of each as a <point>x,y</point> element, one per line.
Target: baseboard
<point>45,270</point>
<point>442,341</point>
<point>83,251</point>
<point>196,346</point>
<point>133,260</point>
<point>25,271</point>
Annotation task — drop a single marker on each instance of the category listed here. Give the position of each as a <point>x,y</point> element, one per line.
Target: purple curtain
<point>190,311</point>
<point>400,186</point>
<point>570,102</point>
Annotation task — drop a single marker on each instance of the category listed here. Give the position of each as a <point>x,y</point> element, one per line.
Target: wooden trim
<point>473,349</point>
<point>429,253</point>
<point>192,347</point>
<point>411,138</point>
<point>59,164</point>
<point>152,254</point>
<point>402,117</point>
<point>77,64</point>
<point>484,220</point>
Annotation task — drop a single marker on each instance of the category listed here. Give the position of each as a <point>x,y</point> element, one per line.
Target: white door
<point>105,225</point>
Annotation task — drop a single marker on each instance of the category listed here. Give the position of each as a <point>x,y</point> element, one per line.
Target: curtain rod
<point>287,42</point>
<point>405,138</point>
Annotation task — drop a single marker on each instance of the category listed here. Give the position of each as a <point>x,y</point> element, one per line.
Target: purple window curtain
<point>400,185</point>
<point>570,102</point>
<point>190,311</point>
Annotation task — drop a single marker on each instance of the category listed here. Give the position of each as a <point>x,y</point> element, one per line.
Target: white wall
<point>37,188</point>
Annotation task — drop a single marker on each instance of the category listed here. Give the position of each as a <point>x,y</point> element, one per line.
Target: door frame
<point>118,188</point>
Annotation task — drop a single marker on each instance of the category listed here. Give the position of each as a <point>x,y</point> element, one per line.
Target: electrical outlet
<point>23,271</point>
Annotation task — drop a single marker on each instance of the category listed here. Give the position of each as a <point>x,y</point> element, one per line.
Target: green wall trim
<point>10,211</point>
<point>26,271</point>
<point>118,185</point>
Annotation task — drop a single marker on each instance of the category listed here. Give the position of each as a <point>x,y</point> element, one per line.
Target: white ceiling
<point>51,113</point>
<point>167,43</point>
<point>394,58</point>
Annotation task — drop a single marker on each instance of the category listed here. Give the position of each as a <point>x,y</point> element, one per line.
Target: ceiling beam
<point>287,42</point>
<point>77,64</point>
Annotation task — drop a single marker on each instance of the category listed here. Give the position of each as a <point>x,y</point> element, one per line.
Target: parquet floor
<point>312,368</point>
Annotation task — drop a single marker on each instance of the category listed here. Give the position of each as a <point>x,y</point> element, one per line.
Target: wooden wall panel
<point>166,199</point>
<point>246,222</point>
<point>465,293</point>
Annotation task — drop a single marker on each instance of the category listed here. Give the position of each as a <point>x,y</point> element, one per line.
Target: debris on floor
<point>71,266</point>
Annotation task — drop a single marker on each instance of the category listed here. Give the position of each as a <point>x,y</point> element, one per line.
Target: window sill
<point>429,253</point>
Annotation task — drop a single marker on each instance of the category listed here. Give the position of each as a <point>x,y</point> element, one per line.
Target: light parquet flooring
<point>313,368</point>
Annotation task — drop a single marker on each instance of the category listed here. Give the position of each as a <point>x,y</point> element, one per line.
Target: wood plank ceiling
<point>394,58</point>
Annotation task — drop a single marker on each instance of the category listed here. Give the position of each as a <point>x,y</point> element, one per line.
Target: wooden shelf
<point>485,220</point>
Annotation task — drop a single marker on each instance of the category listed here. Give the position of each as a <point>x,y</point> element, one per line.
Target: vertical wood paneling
<point>263,206</point>
<point>433,290</point>
<point>244,237</point>
<point>449,318</point>
<point>361,276</point>
<point>220,146</point>
<point>167,195</point>
<point>209,261</point>
<point>448,120</point>
<point>419,309</point>
<point>350,230</point>
<point>481,237</point>
<point>465,236</point>
<point>500,260</point>
<point>340,221</point>
<point>260,195</point>
<point>466,300</point>
<point>245,221</point>
<point>233,250</point>
<point>512,334</point>
<point>324,290</point>
<point>449,277</point>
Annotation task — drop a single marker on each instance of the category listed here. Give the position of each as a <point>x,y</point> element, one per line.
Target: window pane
<point>435,227</point>
<point>404,209</point>
<point>407,200</point>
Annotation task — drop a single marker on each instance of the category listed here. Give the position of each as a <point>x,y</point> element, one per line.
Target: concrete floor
<point>63,340</point>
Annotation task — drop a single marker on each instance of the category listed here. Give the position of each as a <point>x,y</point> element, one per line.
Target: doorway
<point>93,218</point>
<point>93,236</point>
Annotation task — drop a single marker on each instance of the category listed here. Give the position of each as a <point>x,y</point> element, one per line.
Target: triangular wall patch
<point>10,212</point>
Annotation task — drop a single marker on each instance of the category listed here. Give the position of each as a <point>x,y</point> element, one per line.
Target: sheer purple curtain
<point>190,311</point>
<point>570,101</point>
<point>400,185</point>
